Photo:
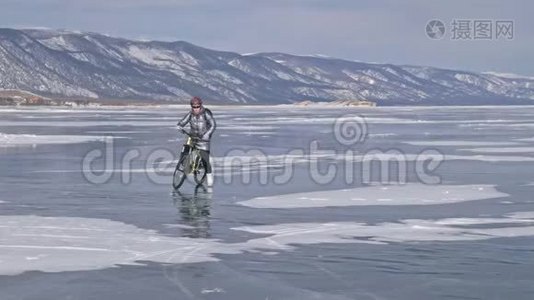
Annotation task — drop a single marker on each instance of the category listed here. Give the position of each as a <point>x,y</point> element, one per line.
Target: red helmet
<point>196,101</point>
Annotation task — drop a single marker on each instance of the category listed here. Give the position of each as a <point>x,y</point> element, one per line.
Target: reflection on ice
<point>194,212</point>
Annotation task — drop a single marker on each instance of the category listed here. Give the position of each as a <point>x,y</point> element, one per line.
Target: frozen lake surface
<point>308,203</point>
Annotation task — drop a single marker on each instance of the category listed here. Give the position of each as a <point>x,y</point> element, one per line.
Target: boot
<point>209,179</point>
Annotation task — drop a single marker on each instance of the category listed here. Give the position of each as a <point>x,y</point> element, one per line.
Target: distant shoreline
<point>259,106</point>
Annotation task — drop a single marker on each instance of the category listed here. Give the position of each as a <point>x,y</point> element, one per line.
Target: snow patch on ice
<point>70,244</point>
<point>369,120</point>
<point>504,126</point>
<point>409,194</point>
<point>529,215</point>
<point>526,139</point>
<point>400,157</point>
<point>529,150</point>
<point>57,244</point>
<point>86,123</point>
<point>7,140</point>
<point>380,135</point>
<point>210,291</point>
<point>412,230</point>
<point>458,143</point>
<point>107,132</point>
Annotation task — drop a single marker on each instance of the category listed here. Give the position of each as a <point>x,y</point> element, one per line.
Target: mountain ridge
<point>92,65</point>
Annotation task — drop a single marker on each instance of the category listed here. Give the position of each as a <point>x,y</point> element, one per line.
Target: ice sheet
<point>367,118</point>
<point>64,244</point>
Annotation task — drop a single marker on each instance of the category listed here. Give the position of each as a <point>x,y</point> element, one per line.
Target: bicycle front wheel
<point>200,171</point>
<point>179,175</point>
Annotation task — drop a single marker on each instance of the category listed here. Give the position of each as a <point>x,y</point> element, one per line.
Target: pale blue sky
<point>368,30</point>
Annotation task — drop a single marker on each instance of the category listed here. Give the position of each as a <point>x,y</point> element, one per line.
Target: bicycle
<point>190,163</point>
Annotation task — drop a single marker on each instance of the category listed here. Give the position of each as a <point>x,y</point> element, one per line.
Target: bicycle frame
<point>195,159</point>
<point>192,164</point>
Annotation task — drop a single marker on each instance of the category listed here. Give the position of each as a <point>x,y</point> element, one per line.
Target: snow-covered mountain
<point>77,64</point>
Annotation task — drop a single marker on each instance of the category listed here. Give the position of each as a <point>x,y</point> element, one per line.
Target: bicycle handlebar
<point>191,136</point>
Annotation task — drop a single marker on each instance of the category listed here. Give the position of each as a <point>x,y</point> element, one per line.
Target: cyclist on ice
<point>202,125</point>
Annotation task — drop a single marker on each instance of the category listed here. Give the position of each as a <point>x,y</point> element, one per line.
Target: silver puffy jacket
<point>202,125</point>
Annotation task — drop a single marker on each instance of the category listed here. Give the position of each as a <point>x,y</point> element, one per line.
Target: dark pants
<point>204,155</point>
